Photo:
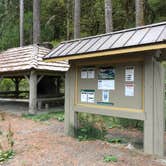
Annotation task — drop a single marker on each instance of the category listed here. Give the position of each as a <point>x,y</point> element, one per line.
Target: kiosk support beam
<point>71,117</point>
<point>154,107</point>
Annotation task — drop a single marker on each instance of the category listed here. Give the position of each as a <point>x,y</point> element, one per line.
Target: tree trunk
<point>21,23</point>
<point>36,21</point>
<point>108,16</point>
<point>77,19</point>
<point>68,19</point>
<point>139,10</point>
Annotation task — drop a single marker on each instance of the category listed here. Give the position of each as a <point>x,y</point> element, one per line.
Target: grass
<point>109,158</point>
<point>91,127</point>
<point>6,155</point>
<point>89,132</point>
<point>116,140</point>
<point>96,127</point>
<point>1,132</point>
<point>45,116</point>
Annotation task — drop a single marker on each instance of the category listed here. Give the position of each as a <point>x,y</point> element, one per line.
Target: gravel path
<point>44,144</point>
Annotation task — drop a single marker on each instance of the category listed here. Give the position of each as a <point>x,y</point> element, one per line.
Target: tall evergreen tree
<point>77,12</point>
<point>68,19</point>
<point>36,21</point>
<point>139,12</point>
<point>108,16</point>
<point>21,23</point>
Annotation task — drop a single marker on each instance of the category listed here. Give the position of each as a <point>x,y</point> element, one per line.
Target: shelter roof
<point>27,58</point>
<point>144,38</point>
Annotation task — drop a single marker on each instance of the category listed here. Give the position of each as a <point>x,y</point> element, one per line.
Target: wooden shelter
<point>26,62</point>
<point>117,74</point>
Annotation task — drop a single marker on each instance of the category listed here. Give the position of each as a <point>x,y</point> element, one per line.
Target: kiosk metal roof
<point>140,36</point>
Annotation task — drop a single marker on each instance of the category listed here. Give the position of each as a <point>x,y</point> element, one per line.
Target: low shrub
<point>1,132</point>
<point>115,140</point>
<point>95,126</point>
<point>91,127</point>
<point>130,123</point>
<point>6,155</point>
<point>7,152</point>
<point>109,158</point>
<point>45,116</point>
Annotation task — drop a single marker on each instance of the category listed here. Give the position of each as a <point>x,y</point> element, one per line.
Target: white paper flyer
<point>105,96</point>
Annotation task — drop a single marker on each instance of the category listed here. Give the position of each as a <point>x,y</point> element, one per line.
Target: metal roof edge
<point>115,32</point>
<point>123,50</point>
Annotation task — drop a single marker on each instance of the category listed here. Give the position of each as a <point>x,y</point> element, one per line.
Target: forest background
<point>57,22</point>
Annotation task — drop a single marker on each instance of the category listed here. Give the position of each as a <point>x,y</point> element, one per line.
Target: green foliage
<point>91,127</point>
<point>54,18</point>
<point>9,153</point>
<point>112,122</point>
<point>109,158</point>
<point>95,127</point>
<point>115,140</point>
<point>23,85</point>
<point>45,116</point>
<point>92,17</point>
<point>130,123</point>
<point>158,9</point>
<point>9,24</point>
<point>6,155</point>
<point>89,133</point>
<point>7,85</point>
<point>103,123</point>
<point>10,138</point>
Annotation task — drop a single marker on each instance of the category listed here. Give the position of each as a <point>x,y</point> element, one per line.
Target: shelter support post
<point>154,107</point>
<point>40,78</point>
<point>58,86</point>
<point>33,92</point>
<point>71,117</point>
<point>16,82</point>
<point>17,87</point>
<point>1,78</point>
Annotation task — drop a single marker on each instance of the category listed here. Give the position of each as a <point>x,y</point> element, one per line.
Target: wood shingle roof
<point>27,58</point>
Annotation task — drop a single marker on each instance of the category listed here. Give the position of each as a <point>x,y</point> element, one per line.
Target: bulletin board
<point>114,85</point>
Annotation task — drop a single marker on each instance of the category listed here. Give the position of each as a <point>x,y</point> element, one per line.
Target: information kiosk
<point>117,74</point>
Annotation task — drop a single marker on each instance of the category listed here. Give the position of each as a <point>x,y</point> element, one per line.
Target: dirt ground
<point>44,144</point>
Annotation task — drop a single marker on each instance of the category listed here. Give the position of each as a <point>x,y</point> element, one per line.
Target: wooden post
<point>33,92</point>
<point>159,121</point>
<point>1,78</point>
<point>17,81</point>
<point>148,123</point>
<point>154,108</point>
<point>71,117</point>
<point>58,86</point>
